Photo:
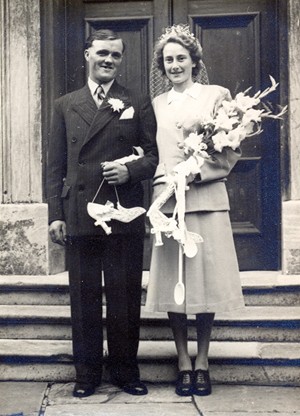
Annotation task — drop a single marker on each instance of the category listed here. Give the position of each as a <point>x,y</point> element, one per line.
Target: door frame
<point>54,81</point>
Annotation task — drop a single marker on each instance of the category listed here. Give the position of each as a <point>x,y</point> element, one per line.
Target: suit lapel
<point>105,113</point>
<point>85,105</point>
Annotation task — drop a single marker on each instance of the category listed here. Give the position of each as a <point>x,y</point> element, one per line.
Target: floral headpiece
<point>182,31</point>
<point>177,30</point>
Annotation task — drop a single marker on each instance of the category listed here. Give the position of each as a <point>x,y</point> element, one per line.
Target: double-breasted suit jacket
<point>82,137</point>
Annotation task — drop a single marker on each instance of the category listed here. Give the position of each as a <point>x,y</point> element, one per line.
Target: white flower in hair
<point>116,104</point>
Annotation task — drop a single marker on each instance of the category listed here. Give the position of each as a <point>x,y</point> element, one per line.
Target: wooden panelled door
<point>240,44</point>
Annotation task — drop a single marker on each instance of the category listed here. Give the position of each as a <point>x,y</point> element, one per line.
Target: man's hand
<point>115,173</point>
<point>57,231</point>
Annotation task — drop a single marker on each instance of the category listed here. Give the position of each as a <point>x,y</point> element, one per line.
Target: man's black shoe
<point>136,388</point>
<point>83,389</point>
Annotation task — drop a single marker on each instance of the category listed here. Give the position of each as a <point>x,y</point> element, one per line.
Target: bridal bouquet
<point>233,122</point>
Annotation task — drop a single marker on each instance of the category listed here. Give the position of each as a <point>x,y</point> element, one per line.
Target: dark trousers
<point>121,259</point>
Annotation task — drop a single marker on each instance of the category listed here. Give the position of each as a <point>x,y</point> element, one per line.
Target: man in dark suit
<point>91,128</point>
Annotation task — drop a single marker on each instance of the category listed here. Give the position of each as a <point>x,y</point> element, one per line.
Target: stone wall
<point>291,207</point>
<point>24,243</point>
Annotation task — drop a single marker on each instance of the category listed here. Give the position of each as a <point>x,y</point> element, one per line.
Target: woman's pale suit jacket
<point>209,192</point>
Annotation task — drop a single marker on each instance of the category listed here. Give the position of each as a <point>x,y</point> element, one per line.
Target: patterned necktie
<point>100,95</point>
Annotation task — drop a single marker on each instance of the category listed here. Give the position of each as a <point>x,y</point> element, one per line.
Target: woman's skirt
<point>211,278</point>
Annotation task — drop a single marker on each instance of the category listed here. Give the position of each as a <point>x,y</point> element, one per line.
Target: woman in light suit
<point>211,278</point>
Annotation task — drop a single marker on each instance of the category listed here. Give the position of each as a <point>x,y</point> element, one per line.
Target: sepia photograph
<point>150,208</point>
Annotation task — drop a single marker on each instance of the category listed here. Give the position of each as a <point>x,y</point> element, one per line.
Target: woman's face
<point>178,65</point>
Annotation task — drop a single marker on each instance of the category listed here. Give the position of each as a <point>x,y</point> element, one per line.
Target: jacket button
<point>73,140</point>
<point>81,163</point>
<point>81,187</point>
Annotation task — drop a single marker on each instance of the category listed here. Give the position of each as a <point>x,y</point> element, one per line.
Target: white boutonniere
<point>116,104</point>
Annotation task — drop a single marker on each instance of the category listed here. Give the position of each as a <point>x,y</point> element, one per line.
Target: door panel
<point>236,36</point>
<point>133,20</point>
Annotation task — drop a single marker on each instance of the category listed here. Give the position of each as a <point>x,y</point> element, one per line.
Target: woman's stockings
<point>204,324</point>
<point>178,322</point>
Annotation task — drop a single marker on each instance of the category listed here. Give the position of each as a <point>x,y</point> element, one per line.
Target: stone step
<point>34,290</point>
<point>253,323</point>
<point>230,362</point>
<point>261,288</point>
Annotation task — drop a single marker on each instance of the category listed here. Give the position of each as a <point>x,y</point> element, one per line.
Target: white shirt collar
<point>93,86</point>
<point>192,91</point>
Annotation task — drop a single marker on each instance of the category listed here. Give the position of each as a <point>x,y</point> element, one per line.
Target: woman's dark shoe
<point>83,389</point>
<point>202,384</point>
<point>184,383</point>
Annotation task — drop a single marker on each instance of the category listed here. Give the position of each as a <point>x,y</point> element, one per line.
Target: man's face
<point>104,58</point>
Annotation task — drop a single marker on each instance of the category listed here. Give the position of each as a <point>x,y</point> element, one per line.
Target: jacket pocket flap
<point>65,191</point>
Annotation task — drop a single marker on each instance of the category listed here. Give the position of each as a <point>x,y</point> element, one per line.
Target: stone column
<point>24,242</point>
<point>291,207</point>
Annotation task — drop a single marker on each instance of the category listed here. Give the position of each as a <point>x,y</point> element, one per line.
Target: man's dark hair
<point>102,34</point>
